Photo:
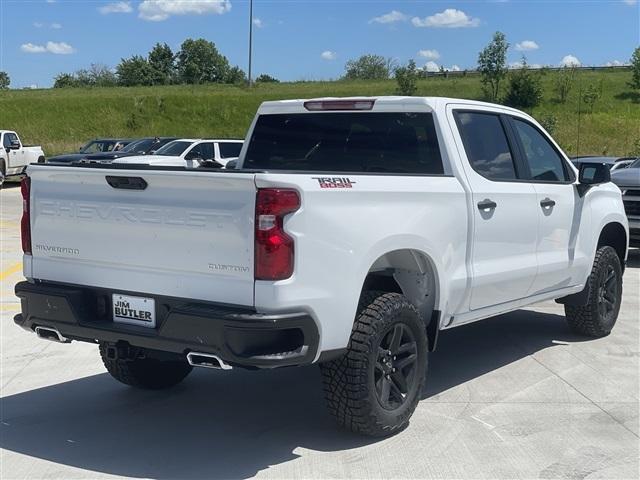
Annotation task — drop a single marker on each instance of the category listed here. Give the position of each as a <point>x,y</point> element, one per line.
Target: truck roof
<point>382,103</point>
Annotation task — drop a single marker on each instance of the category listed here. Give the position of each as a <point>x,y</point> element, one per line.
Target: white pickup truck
<point>14,156</point>
<point>350,234</point>
<point>190,152</point>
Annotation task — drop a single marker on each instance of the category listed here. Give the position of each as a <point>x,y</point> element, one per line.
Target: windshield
<point>96,146</point>
<point>140,146</point>
<point>173,149</point>
<point>635,164</point>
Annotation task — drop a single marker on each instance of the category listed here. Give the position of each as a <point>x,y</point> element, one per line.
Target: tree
<point>200,62</point>
<point>264,78</point>
<point>5,81</point>
<point>407,79</point>
<point>134,71</point>
<point>492,64</point>
<point>162,62</point>
<point>591,95</point>
<point>235,75</point>
<point>524,90</point>
<point>564,82</point>
<point>65,80</point>
<point>368,67</point>
<point>100,75</point>
<point>635,69</point>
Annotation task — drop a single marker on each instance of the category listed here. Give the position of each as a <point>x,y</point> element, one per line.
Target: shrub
<point>564,82</point>
<point>635,69</point>
<point>492,65</point>
<point>524,90</point>
<point>591,95</point>
<point>407,79</point>
<point>264,78</point>
<point>368,67</point>
<point>549,122</point>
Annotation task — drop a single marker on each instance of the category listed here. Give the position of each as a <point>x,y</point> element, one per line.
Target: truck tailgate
<point>187,234</point>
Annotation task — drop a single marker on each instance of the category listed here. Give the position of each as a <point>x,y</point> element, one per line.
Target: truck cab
<point>14,156</point>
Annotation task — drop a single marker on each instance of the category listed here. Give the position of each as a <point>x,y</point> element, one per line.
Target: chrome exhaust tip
<point>51,334</point>
<point>207,360</point>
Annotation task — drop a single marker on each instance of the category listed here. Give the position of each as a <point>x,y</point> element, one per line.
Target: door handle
<point>547,203</point>
<point>487,204</point>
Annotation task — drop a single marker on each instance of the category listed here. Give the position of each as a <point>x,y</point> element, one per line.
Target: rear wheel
<point>599,315</point>
<point>3,172</point>
<point>375,387</point>
<point>146,369</point>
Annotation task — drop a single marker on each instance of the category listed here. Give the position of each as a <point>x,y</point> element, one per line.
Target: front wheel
<point>375,387</point>
<point>599,315</point>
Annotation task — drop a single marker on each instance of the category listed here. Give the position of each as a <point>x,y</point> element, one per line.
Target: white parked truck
<point>189,152</point>
<point>14,156</point>
<point>350,234</point>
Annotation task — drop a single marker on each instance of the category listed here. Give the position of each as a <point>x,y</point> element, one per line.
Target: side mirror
<point>15,145</point>
<point>592,174</point>
<point>231,164</point>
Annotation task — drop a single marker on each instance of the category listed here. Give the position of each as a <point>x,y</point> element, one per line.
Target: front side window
<point>97,147</point>
<point>202,151</point>
<point>486,145</point>
<point>346,142</point>
<point>544,161</point>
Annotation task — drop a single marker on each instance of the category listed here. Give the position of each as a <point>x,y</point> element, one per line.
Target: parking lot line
<point>11,270</point>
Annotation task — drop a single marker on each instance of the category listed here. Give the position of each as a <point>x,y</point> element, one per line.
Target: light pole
<point>250,37</point>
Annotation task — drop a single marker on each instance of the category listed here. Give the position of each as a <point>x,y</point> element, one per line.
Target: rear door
<point>186,234</point>
<point>505,210</point>
<point>559,209</point>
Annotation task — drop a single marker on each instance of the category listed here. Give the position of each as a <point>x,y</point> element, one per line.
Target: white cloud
<point>31,48</point>
<point>57,48</point>
<point>429,54</point>
<point>56,26</point>
<point>328,55</point>
<point>51,1</point>
<point>449,18</point>
<point>116,7</point>
<point>453,68</point>
<point>527,45</point>
<point>392,17</point>
<point>615,63</point>
<point>38,24</point>
<point>518,64</point>
<point>630,2</point>
<point>159,10</point>
<point>431,67</point>
<point>570,61</point>
<point>258,23</point>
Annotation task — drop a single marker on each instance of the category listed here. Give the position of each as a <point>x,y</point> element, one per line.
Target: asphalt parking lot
<point>515,396</point>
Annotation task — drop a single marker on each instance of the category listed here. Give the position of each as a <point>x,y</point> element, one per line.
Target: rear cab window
<point>377,142</point>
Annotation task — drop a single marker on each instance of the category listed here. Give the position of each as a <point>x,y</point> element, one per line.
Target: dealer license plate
<point>134,310</point>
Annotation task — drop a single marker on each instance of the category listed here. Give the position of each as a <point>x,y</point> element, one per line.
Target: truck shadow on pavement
<point>233,425</point>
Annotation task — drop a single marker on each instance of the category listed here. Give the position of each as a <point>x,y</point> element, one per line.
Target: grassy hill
<point>62,119</point>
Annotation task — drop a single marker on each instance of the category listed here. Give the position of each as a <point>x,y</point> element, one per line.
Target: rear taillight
<point>25,223</point>
<point>274,254</point>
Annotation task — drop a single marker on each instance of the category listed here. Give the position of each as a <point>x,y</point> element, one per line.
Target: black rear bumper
<point>238,335</point>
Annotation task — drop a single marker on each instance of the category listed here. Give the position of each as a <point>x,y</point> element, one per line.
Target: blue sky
<point>311,39</point>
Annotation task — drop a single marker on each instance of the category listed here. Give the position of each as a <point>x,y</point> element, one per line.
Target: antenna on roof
<point>579,113</point>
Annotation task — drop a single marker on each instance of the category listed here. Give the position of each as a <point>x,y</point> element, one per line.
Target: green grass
<point>63,119</point>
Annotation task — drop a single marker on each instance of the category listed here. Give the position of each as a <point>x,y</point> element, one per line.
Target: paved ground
<point>516,396</point>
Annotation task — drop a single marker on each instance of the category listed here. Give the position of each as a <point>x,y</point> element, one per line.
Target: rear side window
<point>486,145</point>
<point>544,161</point>
<point>346,142</point>
<point>230,150</point>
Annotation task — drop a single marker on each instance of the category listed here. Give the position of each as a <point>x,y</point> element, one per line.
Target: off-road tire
<point>349,381</point>
<point>147,373</point>
<point>589,319</point>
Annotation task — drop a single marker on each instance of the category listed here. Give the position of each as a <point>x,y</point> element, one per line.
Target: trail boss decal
<point>334,182</point>
<point>134,310</point>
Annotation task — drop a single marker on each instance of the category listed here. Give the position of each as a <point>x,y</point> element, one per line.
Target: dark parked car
<point>614,163</point>
<point>628,179</point>
<point>99,145</point>
<point>142,146</point>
